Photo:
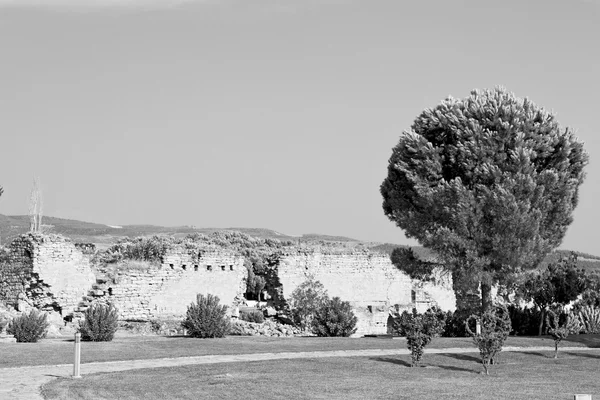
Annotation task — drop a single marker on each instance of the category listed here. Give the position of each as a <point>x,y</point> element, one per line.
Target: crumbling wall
<point>143,291</point>
<point>54,274</point>
<point>370,282</point>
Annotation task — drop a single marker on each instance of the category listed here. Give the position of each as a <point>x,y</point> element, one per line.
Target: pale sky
<point>277,114</point>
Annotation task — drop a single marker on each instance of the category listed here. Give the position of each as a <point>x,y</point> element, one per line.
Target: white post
<point>478,328</point>
<point>77,359</point>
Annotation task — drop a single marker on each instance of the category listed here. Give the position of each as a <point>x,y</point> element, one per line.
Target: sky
<point>277,114</point>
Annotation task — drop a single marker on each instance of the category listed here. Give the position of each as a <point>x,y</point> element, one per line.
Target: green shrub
<point>29,328</point>
<point>590,318</point>
<point>305,300</point>
<point>420,329</point>
<point>495,327</point>
<point>100,324</point>
<point>206,318</point>
<point>252,316</point>
<point>334,318</point>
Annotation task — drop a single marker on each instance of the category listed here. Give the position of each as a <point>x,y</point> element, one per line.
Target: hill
<point>104,235</point>
<point>89,232</point>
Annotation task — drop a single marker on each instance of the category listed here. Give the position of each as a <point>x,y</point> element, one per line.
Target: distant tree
<point>36,206</point>
<point>558,285</point>
<point>489,182</point>
<point>255,284</point>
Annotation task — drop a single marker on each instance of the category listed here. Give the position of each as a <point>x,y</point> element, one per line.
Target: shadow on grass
<point>579,354</point>
<point>462,357</point>
<point>397,361</point>
<point>453,368</point>
<point>537,353</point>
<point>589,340</point>
<point>391,361</point>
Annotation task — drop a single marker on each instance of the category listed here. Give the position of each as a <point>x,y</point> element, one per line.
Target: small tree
<point>420,329</point>
<point>495,326</point>
<point>334,318</point>
<point>305,300</point>
<point>560,332</point>
<point>206,318</point>
<point>561,283</point>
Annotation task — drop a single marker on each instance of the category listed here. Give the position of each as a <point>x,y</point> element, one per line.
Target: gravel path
<point>23,383</point>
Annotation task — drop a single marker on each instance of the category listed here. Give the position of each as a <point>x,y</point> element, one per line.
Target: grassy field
<point>531,375</point>
<point>60,351</point>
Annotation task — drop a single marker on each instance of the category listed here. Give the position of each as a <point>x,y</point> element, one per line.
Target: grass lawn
<point>532,375</point>
<point>60,351</point>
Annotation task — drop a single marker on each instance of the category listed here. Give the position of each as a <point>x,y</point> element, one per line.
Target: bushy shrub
<point>334,318</point>
<point>524,321</point>
<point>29,328</point>
<point>495,327</point>
<point>238,328</point>
<point>590,318</point>
<point>252,316</point>
<point>100,324</point>
<point>420,329</point>
<point>206,318</point>
<point>455,324</point>
<point>305,300</point>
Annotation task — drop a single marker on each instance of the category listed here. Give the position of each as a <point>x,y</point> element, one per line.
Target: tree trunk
<point>555,349</point>
<point>486,296</point>
<point>542,317</point>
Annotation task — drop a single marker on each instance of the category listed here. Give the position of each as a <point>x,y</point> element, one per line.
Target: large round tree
<point>489,182</point>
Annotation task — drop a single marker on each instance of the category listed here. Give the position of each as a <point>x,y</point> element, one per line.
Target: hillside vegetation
<point>105,236</point>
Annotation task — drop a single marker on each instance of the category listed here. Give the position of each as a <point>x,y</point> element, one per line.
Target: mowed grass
<point>533,375</point>
<point>60,351</point>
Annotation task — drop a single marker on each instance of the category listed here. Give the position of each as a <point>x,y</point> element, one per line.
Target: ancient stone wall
<point>143,291</point>
<point>53,272</point>
<point>50,272</point>
<point>370,282</point>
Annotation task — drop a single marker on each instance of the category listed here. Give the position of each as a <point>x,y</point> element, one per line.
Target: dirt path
<point>23,383</point>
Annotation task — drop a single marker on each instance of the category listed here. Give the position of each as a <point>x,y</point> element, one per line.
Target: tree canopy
<point>561,283</point>
<point>489,182</point>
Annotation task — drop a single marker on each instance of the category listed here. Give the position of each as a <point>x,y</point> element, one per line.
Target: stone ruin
<point>51,273</point>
